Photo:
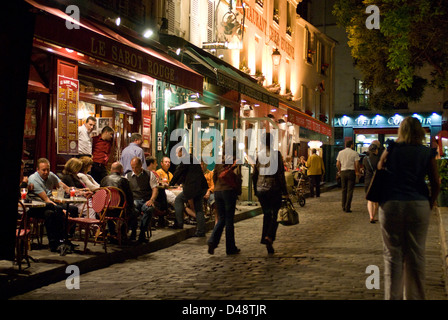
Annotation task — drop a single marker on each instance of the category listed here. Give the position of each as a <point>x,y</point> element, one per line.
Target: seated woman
<point>70,178</point>
<point>84,175</point>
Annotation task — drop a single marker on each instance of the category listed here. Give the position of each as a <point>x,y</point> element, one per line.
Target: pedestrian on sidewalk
<point>316,170</point>
<point>406,210</point>
<point>370,163</point>
<point>347,163</point>
<point>269,185</point>
<point>226,193</point>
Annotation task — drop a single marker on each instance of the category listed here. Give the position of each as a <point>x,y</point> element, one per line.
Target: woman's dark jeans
<point>226,204</point>
<point>271,202</point>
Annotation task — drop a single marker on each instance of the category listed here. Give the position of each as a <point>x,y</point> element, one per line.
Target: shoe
<point>133,236</point>
<point>269,246</point>
<point>348,211</point>
<point>143,240</point>
<point>372,221</point>
<point>211,248</point>
<point>175,226</point>
<point>199,235</point>
<point>236,251</point>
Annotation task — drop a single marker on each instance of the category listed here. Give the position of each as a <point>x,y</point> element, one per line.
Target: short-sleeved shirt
<point>347,158</point>
<point>131,151</point>
<point>164,175</point>
<point>40,184</point>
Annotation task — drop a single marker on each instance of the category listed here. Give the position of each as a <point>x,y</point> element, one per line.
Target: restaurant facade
<point>90,70</point>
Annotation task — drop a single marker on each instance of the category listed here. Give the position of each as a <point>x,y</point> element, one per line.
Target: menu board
<point>67,118</point>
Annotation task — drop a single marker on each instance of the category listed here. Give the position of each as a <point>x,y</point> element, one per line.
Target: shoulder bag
<point>287,215</point>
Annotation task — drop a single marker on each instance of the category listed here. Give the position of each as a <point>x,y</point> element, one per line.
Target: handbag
<point>378,186</point>
<point>287,215</point>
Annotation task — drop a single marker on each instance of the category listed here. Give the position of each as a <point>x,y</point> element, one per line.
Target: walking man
<point>347,163</point>
<point>316,169</point>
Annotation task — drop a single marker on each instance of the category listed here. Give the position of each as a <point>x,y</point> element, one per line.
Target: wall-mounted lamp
<point>148,33</point>
<point>276,57</point>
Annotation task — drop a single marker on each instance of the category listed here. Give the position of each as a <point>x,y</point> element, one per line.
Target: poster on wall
<point>146,133</point>
<point>67,115</point>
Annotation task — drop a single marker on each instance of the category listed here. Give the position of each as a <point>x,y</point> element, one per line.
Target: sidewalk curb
<point>58,273</point>
<point>442,214</point>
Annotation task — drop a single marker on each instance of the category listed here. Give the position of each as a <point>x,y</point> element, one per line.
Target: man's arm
<point>338,165</point>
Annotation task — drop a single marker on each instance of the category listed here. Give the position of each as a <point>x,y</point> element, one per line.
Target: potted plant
<point>442,199</point>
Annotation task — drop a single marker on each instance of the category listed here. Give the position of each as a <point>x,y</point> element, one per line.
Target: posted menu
<point>67,106</point>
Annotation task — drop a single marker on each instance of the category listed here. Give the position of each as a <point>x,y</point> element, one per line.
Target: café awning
<point>104,44</point>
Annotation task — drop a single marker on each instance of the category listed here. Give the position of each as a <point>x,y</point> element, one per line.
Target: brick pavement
<point>323,258</point>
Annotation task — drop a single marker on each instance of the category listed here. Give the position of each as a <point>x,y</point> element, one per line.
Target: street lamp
<point>276,57</point>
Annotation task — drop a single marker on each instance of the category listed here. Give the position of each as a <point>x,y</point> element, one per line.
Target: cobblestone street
<point>323,258</point>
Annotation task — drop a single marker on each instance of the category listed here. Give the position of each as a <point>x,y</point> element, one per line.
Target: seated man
<point>144,190</point>
<point>115,179</point>
<point>44,181</point>
<point>164,175</point>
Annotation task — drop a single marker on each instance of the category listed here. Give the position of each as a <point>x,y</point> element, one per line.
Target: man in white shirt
<point>84,137</point>
<point>347,163</point>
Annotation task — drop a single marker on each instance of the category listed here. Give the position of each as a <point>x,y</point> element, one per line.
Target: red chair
<point>22,236</point>
<point>93,228</point>
<point>116,212</point>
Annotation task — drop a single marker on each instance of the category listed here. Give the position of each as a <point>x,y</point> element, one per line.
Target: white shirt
<point>347,158</point>
<point>84,141</point>
<point>88,181</point>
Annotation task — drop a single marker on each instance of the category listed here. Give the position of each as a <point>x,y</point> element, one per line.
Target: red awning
<point>104,44</point>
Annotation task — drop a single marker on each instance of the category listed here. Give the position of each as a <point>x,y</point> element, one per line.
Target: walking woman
<point>226,193</point>
<point>370,163</point>
<point>405,212</point>
<point>269,185</point>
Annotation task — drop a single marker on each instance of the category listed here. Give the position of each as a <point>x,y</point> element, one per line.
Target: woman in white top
<point>83,175</point>
<point>87,179</point>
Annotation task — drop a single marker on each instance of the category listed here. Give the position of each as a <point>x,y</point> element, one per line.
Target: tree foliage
<point>412,34</point>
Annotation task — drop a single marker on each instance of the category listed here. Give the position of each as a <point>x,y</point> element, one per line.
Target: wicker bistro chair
<point>22,236</point>
<point>94,229</point>
<point>116,212</point>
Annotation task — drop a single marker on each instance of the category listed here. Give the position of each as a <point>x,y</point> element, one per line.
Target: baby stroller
<point>298,191</point>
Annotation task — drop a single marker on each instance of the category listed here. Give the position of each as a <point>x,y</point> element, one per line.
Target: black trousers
<point>98,172</point>
<point>348,180</point>
<point>315,185</point>
<point>55,221</point>
<point>270,202</point>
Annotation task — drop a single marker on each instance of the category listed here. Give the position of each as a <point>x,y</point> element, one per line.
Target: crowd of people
<point>403,214</point>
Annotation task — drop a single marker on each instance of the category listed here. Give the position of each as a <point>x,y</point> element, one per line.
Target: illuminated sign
<point>374,121</point>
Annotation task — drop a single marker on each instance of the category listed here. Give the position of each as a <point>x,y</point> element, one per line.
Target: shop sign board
<point>382,121</point>
<point>67,115</point>
<point>307,122</point>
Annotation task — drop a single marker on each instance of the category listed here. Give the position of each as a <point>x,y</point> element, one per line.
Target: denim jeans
<point>179,212</point>
<point>225,203</point>
<point>141,207</point>
<point>271,202</point>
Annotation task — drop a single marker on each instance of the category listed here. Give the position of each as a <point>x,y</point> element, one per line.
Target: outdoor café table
<point>68,201</point>
<point>33,204</point>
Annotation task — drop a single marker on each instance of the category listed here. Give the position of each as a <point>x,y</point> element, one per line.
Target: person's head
<point>72,166</point>
<point>43,168</point>
<point>107,133</point>
<point>87,163</point>
<point>116,167</point>
<point>136,138</point>
<point>349,144</point>
<point>90,123</point>
<point>165,163</point>
<point>151,163</point>
<point>136,165</point>
<point>313,151</point>
<point>411,131</point>
<point>373,148</point>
